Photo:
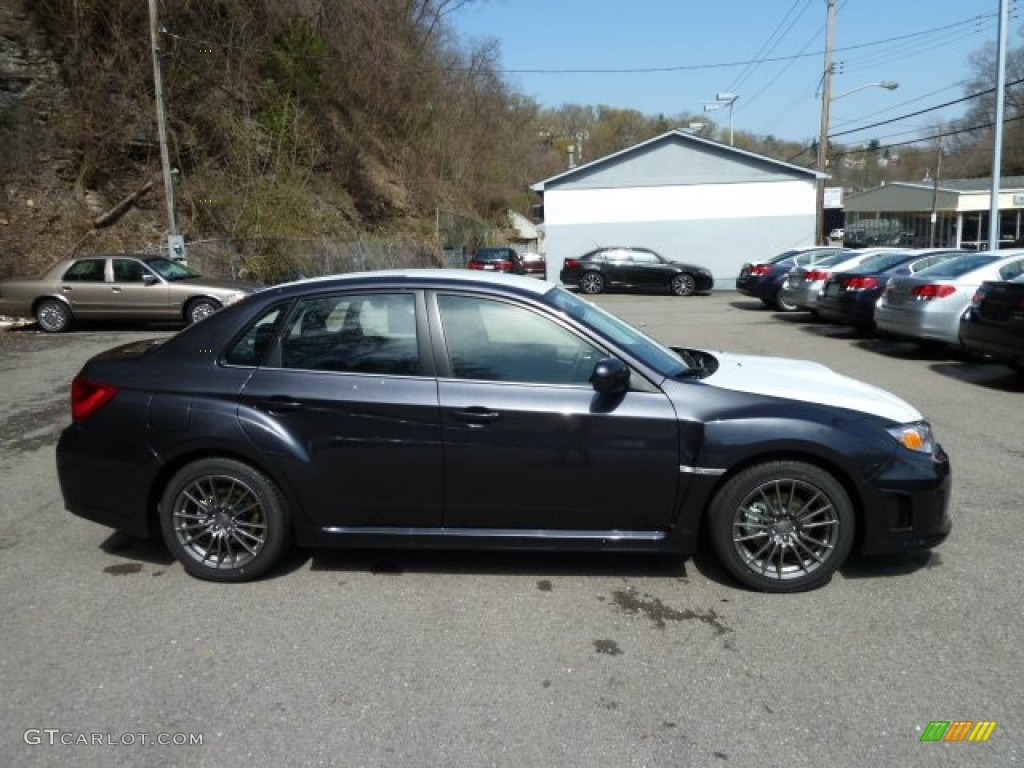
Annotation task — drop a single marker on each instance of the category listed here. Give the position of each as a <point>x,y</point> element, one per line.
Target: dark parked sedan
<point>373,410</point>
<point>498,260</point>
<point>849,297</point>
<point>764,279</point>
<point>994,323</point>
<point>637,269</point>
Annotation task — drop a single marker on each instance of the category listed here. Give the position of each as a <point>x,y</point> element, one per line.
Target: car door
<point>617,266</point>
<point>138,292</point>
<point>347,403</point>
<point>648,271</point>
<point>84,284</point>
<point>529,444</point>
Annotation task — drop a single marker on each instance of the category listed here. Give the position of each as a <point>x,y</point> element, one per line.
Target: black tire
<point>782,526</point>
<point>683,285</point>
<point>781,304</point>
<point>591,282</point>
<point>53,316</point>
<point>200,309</point>
<point>224,520</point>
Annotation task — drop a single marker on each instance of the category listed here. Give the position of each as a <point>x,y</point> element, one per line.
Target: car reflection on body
<point>634,269</point>
<point>370,410</point>
<point>122,287</point>
<point>927,307</point>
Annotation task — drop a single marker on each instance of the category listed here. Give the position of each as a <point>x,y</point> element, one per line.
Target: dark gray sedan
<point>456,409</point>
<point>122,287</point>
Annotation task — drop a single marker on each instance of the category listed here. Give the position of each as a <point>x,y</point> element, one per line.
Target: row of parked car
<point>968,299</point>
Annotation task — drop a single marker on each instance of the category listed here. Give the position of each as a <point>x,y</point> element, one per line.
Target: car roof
<point>428,277</point>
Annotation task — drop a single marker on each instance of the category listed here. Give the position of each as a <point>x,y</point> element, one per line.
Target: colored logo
<point>958,730</point>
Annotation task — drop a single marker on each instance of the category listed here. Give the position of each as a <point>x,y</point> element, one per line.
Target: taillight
<point>505,265</point>
<point>928,292</point>
<point>475,265</point>
<point>860,283</point>
<point>88,396</point>
<point>816,274</point>
<point>571,263</point>
<point>760,270</point>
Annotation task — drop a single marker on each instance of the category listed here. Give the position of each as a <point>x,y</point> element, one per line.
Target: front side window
<point>493,341</point>
<point>362,333</point>
<point>128,271</point>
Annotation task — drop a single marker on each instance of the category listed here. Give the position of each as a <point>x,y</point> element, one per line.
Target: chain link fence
<point>278,260</point>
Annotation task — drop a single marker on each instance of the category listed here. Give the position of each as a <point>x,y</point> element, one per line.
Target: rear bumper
<point>919,323</point>
<point>1001,342</point>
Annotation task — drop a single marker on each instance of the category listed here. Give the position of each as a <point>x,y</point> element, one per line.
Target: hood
<point>809,382</point>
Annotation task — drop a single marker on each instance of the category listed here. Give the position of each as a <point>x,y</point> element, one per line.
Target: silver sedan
<point>117,287</point>
<point>929,305</point>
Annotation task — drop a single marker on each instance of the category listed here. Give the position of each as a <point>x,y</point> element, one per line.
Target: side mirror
<point>610,376</point>
<point>149,280</point>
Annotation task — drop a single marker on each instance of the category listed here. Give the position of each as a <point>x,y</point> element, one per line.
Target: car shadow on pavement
<point>483,563</point>
<point>749,305</point>
<point>989,374</point>
<point>884,566</point>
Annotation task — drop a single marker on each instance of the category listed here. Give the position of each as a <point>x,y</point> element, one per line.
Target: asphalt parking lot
<point>440,659</point>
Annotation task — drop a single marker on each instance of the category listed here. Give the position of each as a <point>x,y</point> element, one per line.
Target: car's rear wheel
<point>224,520</point>
<point>53,316</point>
<point>200,309</point>
<point>782,305</point>
<point>591,282</point>
<point>782,526</point>
<point>683,285</point>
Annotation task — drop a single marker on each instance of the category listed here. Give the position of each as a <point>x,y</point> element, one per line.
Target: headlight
<point>916,436</point>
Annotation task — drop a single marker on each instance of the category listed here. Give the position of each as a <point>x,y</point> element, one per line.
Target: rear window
<point>958,266</point>
<point>492,254</point>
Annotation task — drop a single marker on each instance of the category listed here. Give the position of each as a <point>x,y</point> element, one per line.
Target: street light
<point>723,100</point>
<point>826,102</point>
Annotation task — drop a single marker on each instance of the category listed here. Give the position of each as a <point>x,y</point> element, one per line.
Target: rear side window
<point>86,271</point>
<point>1012,270</point>
<point>362,333</point>
<point>252,347</point>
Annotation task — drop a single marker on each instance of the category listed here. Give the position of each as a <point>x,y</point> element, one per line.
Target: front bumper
<point>906,507</point>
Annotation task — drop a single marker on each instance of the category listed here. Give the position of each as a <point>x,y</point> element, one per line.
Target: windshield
<point>170,270</point>
<point>652,353</point>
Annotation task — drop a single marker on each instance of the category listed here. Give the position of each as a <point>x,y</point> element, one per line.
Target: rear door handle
<point>476,416</point>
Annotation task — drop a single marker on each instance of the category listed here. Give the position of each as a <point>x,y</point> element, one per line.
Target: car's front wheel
<point>591,282</point>
<point>53,316</point>
<point>683,285</point>
<point>782,526</point>
<point>200,309</point>
<point>224,520</point>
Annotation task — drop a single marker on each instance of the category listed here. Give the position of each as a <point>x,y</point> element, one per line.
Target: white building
<point>689,198</point>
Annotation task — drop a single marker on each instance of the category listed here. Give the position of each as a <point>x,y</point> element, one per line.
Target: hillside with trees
<point>304,121</point>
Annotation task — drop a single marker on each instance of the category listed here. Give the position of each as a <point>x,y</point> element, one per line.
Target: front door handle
<point>476,416</point>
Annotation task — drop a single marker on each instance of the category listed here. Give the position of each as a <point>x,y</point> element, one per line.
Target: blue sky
<point>925,46</point>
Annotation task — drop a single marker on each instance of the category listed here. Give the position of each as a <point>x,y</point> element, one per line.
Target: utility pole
<point>826,103</point>
<point>997,150</point>
<point>935,192</point>
<point>175,244</point>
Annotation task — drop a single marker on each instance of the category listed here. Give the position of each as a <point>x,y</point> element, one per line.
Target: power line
<point>924,111</point>
<point>944,134</point>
